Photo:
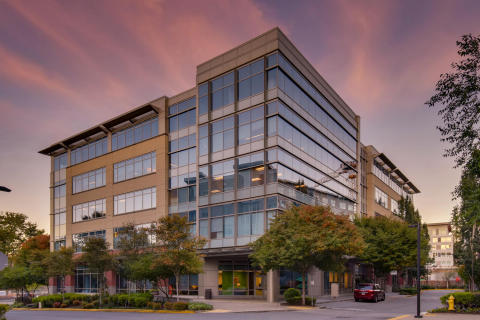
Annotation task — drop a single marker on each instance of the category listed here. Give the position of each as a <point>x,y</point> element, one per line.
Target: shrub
<point>463,300</point>
<point>88,305</point>
<point>408,291</point>
<point>168,305</point>
<point>180,306</point>
<point>63,305</point>
<point>291,292</point>
<point>154,305</point>
<point>140,302</point>
<point>199,306</point>
<point>3,309</point>
<point>297,300</point>
<point>57,304</point>
<point>76,302</point>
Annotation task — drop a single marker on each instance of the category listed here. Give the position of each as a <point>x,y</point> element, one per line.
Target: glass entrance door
<point>239,278</point>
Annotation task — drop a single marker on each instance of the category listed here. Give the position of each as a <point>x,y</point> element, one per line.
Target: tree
<point>447,276</point>
<point>390,244</point>
<point>304,237</point>
<point>466,221</point>
<point>176,250</point>
<point>15,229</point>
<point>98,259</point>
<point>407,211</point>
<point>458,94</point>
<point>60,263</point>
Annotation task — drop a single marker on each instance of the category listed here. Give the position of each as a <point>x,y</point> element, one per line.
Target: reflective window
<point>89,210</point>
<point>142,131</point>
<point>203,98</point>
<point>394,206</point>
<point>135,167</point>
<point>85,281</point>
<point>183,158</point>
<point>250,79</point>
<point>381,198</point>
<point>135,201</point>
<point>250,125</point>
<point>203,140</point>
<point>203,181</point>
<point>222,134</point>
<point>89,180</point>
<point>278,78</point>
<point>60,162</point>
<point>223,176</point>
<point>185,188</point>
<point>222,91</point>
<point>182,106</point>
<point>79,239</point>
<point>182,120</point>
<point>182,143</point>
<point>250,217</point>
<point>88,151</point>
<point>251,171</point>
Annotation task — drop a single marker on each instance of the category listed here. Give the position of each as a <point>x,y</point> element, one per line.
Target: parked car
<point>369,291</point>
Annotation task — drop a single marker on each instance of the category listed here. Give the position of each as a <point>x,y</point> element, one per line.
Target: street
<point>394,306</point>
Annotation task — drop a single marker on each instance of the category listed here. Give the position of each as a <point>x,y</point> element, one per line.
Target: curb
<point>105,310</point>
<point>336,300</point>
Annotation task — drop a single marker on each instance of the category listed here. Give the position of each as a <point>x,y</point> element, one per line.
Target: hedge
<point>3,309</point>
<point>408,291</point>
<point>199,306</point>
<point>463,300</point>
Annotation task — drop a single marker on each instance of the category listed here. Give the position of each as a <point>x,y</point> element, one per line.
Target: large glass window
<point>203,98</point>
<point>394,206</point>
<point>89,180</point>
<point>381,198</point>
<point>223,175</point>
<point>85,281</point>
<point>250,217</point>
<point>89,151</point>
<point>185,191</point>
<point>222,223</point>
<point>135,201</point>
<point>188,284</point>
<point>203,140</point>
<point>222,134</point>
<point>250,79</point>
<point>203,181</point>
<point>251,171</point>
<point>182,120</point>
<point>183,158</point>
<point>222,91</point>
<point>183,143</point>
<point>182,106</point>
<point>60,162</point>
<point>79,239</point>
<point>142,131</point>
<point>89,210</point>
<point>279,78</point>
<point>135,167</point>
<point>250,125</point>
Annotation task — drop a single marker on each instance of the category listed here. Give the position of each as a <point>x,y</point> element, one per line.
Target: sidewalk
<point>440,316</point>
<point>328,299</point>
<point>239,305</point>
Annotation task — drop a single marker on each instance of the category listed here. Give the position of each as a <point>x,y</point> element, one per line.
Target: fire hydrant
<point>451,299</point>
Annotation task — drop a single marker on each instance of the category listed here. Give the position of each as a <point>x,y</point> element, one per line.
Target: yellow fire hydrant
<point>451,300</point>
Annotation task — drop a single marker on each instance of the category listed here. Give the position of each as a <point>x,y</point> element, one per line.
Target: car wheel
<point>356,299</point>
<point>375,299</point>
<point>383,298</point>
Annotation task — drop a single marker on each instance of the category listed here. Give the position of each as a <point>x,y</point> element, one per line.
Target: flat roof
<point>104,127</point>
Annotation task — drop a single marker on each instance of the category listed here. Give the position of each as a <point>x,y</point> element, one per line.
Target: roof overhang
<point>393,168</point>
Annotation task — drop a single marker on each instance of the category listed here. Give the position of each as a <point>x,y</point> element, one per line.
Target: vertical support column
<point>111,282</point>
<point>314,284</point>
<point>52,285</point>
<point>69,283</point>
<point>109,142</point>
<point>209,278</point>
<point>273,286</point>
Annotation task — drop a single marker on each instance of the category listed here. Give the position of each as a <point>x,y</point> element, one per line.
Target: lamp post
<point>418,226</point>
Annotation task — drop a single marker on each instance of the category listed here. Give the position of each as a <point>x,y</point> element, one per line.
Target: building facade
<point>382,184</point>
<point>441,252</point>
<point>260,131</point>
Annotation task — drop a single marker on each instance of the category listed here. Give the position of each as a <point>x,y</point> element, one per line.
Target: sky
<point>68,65</point>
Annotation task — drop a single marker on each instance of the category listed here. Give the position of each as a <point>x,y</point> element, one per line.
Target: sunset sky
<point>67,65</point>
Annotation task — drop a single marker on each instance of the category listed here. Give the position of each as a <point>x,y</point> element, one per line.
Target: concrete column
<point>273,286</point>
<point>209,278</point>
<point>111,282</point>
<point>52,285</point>
<point>69,283</point>
<point>315,282</point>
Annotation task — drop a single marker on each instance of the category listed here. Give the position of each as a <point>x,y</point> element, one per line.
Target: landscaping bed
<point>465,302</point>
<point>131,301</point>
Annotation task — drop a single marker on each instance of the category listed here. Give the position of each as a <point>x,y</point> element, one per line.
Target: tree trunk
<point>177,279</point>
<point>303,288</point>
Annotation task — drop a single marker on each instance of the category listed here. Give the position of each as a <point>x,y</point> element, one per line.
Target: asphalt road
<point>394,306</point>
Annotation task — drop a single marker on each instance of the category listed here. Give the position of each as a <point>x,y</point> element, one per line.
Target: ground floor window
<point>123,285</point>
<point>291,279</point>
<point>60,284</point>
<point>85,281</point>
<point>240,278</point>
<point>188,285</point>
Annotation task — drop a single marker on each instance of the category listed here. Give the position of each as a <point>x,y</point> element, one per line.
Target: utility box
<point>208,294</point>
<point>334,289</point>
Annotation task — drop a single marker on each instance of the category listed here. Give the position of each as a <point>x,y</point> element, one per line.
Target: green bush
<point>154,305</point>
<point>88,305</point>
<point>180,306</point>
<point>291,292</point>
<point>199,306</point>
<point>408,291</point>
<point>140,302</point>
<point>463,300</point>
<point>3,309</point>
<point>297,301</point>
<point>168,305</point>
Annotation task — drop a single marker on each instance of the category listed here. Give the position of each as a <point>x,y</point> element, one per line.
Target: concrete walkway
<point>239,305</point>
<point>440,316</point>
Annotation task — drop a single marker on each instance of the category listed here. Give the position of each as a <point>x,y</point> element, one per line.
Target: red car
<point>369,291</point>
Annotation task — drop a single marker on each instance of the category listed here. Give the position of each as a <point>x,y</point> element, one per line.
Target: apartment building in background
<point>382,184</point>
<point>441,252</point>
<point>260,131</point>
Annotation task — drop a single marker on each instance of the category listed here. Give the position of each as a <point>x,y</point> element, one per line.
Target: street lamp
<point>5,189</point>
<point>418,267</point>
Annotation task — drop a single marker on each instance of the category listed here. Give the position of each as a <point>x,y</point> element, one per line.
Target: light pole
<point>418,226</point>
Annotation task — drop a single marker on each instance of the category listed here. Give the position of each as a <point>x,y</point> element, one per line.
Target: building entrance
<point>239,278</point>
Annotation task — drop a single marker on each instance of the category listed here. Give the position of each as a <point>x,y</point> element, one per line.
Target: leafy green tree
<point>176,250</point>
<point>97,258</point>
<point>304,237</point>
<point>15,229</point>
<point>458,95</point>
<point>390,244</point>
<point>407,211</point>
<point>466,221</point>
<point>60,263</point>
